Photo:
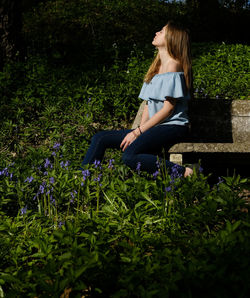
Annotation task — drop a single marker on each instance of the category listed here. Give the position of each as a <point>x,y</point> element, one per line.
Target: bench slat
<point>210,147</point>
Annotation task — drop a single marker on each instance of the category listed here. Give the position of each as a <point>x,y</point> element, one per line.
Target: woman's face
<point>159,39</point>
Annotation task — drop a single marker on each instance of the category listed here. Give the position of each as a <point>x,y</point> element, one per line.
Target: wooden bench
<point>216,126</point>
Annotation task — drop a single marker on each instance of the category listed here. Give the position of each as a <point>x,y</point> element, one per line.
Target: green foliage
<point>86,30</point>
<point>222,71</point>
<point>123,234</point>
<point>109,232</point>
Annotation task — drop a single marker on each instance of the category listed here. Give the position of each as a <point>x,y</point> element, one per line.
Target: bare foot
<point>188,172</point>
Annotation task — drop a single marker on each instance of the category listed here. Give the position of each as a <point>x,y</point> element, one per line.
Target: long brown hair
<point>178,47</point>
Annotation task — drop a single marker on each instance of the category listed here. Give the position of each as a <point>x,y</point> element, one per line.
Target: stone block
<point>137,120</point>
<point>176,158</point>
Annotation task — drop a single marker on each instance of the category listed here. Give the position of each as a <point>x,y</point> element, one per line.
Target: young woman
<point>166,90</point>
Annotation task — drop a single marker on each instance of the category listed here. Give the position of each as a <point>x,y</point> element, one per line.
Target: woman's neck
<point>167,62</point>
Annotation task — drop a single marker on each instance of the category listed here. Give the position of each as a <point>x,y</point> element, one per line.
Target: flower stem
<point>45,204</point>
<point>78,201</point>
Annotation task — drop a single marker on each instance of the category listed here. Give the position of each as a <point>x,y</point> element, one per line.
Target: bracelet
<point>140,129</point>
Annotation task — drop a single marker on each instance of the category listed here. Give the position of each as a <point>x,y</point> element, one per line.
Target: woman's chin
<point>154,44</point>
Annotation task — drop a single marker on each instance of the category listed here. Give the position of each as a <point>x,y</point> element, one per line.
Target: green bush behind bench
<point>222,71</point>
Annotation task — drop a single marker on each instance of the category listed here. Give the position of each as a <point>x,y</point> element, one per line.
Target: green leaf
<point>65,256</point>
<point>1,292</point>
<point>148,199</point>
<point>80,271</point>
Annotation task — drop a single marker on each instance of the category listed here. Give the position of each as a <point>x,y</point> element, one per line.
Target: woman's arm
<point>158,117</point>
<point>166,111</point>
<point>145,115</point>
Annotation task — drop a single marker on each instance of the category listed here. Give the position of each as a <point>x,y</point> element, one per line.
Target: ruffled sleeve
<point>170,84</point>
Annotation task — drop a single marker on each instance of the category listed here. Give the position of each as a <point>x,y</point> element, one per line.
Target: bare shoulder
<point>173,66</point>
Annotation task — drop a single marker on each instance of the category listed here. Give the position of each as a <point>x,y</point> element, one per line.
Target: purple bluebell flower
<point>73,196</point>
<point>155,174</point>
<point>64,165</point>
<point>24,210</point>
<point>61,223</point>
<point>42,187</point>
<point>220,181</point>
<point>52,180</point>
<point>85,173</point>
<point>168,189</point>
<point>52,200</point>
<point>47,163</point>
<point>97,163</point>
<point>138,167</point>
<point>200,169</point>
<point>175,172</point>
<point>45,173</point>
<point>158,164</point>
<point>29,179</point>
<point>57,146</point>
<point>53,153</point>
<point>4,172</point>
<point>98,178</point>
<point>110,166</point>
<point>89,100</point>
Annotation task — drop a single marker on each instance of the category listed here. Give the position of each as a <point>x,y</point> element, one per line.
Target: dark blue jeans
<point>143,150</point>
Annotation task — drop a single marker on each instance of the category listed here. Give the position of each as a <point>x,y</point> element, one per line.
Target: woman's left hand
<point>130,137</point>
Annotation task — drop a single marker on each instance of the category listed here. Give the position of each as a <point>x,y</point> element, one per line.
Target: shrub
<point>222,71</point>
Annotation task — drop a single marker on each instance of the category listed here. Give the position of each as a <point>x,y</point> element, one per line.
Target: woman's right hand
<point>129,138</point>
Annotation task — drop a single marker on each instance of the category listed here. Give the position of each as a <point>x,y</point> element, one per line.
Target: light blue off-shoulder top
<point>169,84</point>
